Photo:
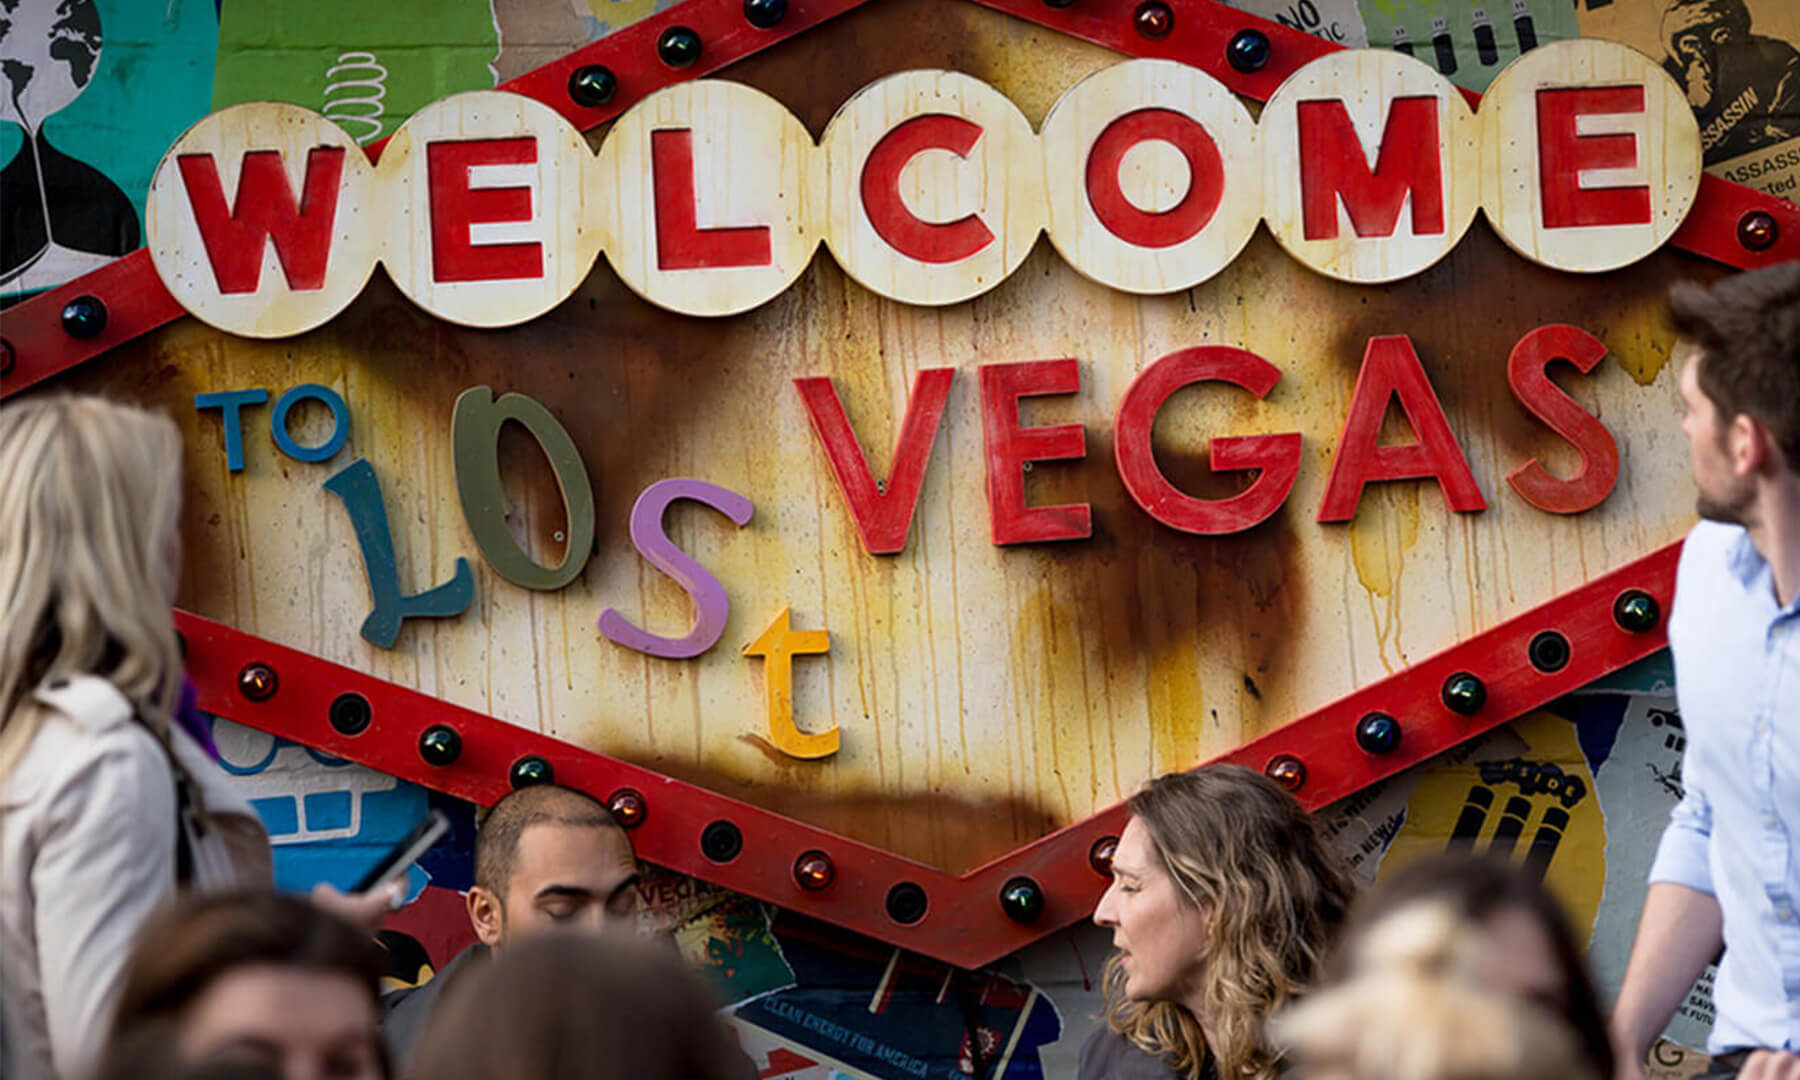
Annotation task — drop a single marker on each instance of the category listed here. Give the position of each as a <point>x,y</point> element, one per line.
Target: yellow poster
<point>1538,809</point>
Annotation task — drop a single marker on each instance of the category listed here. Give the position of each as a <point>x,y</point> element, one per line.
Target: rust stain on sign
<point>984,694</point>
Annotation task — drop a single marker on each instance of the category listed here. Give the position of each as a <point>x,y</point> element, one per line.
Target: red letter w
<point>264,210</point>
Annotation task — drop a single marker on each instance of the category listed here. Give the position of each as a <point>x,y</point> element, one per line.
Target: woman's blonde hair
<point>1244,853</point>
<point>1413,1008</point>
<point>88,543</point>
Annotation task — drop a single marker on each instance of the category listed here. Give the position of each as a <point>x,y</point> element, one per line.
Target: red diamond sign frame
<point>963,921</point>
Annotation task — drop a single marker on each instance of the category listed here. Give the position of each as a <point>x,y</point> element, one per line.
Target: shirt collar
<point>1746,563</point>
<point>1752,571</point>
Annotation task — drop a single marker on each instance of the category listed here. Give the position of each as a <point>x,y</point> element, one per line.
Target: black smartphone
<point>405,853</point>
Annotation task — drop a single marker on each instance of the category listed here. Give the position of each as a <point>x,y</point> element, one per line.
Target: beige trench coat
<point>88,831</point>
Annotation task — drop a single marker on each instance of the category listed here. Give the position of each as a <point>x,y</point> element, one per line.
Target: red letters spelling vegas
<point>929,187</point>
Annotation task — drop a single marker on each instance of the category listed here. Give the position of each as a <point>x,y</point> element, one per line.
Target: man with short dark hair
<point>545,856</point>
<point>1726,874</point>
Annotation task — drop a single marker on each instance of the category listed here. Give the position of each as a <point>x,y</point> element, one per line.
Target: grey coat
<point>410,1008</point>
<point>1107,1055</point>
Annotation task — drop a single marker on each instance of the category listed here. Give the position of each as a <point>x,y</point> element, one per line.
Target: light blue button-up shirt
<point>1737,681</point>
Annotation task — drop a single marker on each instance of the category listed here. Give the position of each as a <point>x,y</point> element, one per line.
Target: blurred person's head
<point>546,857</point>
<point>90,557</point>
<point>1740,387</point>
<point>1521,943</point>
<point>567,1005</point>
<point>150,1052</point>
<point>1223,904</point>
<point>1421,1002</point>
<point>257,979</point>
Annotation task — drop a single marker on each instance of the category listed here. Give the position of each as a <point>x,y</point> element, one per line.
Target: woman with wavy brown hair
<point>1223,905</point>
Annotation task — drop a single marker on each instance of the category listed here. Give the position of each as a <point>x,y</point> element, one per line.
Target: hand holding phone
<point>402,855</point>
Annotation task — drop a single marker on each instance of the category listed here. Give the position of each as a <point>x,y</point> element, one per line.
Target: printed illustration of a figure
<point>59,217</point>
<point>1744,87</point>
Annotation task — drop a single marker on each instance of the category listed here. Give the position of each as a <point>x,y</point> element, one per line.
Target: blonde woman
<point>93,765</point>
<point>1431,993</point>
<point>1224,902</point>
<point>1489,948</point>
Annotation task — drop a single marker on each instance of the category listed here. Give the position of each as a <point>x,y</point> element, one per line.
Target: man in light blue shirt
<point>1728,870</point>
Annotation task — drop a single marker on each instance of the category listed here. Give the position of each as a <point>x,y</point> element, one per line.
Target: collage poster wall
<point>94,93</point>
<point>1467,41</point>
<point>1739,61</point>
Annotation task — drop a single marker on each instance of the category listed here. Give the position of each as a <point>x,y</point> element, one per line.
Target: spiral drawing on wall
<point>355,93</point>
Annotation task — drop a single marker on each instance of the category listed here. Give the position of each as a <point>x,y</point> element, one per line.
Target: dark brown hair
<point>1476,888</point>
<point>1244,852</point>
<point>187,945</point>
<point>497,840</point>
<point>568,1005</point>
<point>150,1052</point>
<point>1749,328</point>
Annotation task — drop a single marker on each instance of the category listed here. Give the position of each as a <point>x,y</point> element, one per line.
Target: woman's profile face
<point>1160,937</point>
<point>309,1025</point>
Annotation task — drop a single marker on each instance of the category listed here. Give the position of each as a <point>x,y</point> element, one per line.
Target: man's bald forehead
<point>548,799</point>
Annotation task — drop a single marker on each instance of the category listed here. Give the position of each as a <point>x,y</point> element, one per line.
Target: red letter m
<point>1333,164</point>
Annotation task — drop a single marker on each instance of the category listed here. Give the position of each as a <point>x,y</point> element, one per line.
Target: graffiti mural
<point>91,94</point>
<point>366,66</point>
<point>330,820</point>
<point>872,1010</point>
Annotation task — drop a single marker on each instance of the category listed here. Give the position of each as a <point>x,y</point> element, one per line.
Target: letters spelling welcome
<point>929,187</point>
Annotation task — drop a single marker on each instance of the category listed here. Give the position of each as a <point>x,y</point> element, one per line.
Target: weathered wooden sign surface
<point>959,697</point>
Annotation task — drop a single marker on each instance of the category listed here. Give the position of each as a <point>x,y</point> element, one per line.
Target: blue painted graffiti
<point>328,819</point>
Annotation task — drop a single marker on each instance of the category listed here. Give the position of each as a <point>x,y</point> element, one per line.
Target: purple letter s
<point>711,604</point>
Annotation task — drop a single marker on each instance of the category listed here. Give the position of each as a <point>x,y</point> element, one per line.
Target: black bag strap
<point>187,813</point>
<point>184,848</point>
